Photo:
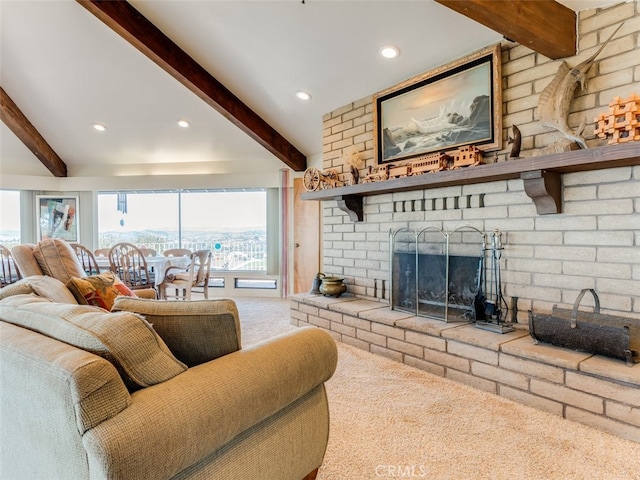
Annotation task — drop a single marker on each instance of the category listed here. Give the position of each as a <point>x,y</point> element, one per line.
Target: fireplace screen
<point>437,274</point>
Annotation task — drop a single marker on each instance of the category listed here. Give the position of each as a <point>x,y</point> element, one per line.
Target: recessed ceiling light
<point>389,52</point>
<point>183,123</point>
<point>302,95</point>
<point>99,127</point>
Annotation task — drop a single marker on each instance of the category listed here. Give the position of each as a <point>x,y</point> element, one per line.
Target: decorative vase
<point>332,286</point>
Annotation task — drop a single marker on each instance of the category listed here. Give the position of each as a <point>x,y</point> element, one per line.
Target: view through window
<point>232,224</point>
<point>9,218</point>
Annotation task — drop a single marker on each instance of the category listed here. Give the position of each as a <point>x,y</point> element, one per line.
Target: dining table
<point>158,264</point>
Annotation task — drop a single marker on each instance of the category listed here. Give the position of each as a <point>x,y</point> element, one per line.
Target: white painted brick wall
<point>594,242</point>
<point>623,413</point>
<point>602,423</point>
<point>603,388</point>
<point>532,400</point>
<point>567,395</point>
<point>533,369</point>
<point>500,375</point>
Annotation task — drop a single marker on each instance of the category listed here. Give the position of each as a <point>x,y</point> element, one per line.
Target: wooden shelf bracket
<point>545,189</point>
<point>352,206</point>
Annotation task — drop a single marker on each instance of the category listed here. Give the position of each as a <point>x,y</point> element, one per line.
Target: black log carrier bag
<point>592,332</point>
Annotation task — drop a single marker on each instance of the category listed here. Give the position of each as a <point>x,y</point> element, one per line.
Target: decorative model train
<point>430,163</point>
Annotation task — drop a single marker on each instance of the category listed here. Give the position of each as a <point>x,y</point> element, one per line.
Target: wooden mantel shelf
<point>541,176</point>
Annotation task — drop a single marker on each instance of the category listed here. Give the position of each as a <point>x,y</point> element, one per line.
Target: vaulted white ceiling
<point>66,70</point>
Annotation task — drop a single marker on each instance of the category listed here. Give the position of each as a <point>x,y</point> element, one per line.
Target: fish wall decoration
<point>555,99</point>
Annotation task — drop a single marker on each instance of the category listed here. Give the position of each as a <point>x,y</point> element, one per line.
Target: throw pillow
<point>57,259</point>
<point>51,288</point>
<point>123,338</point>
<point>98,290</point>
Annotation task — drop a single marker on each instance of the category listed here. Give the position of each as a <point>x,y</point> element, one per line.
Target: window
<point>232,224</point>
<point>9,218</point>
<point>149,219</point>
<point>269,283</point>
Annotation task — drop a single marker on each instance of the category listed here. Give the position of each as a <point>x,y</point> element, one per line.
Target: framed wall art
<point>444,109</point>
<point>57,217</point>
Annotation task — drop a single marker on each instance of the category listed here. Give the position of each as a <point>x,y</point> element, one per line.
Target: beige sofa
<point>155,390</point>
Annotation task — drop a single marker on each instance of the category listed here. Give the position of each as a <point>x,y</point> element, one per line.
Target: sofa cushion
<point>41,285</point>
<point>99,290</point>
<point>196,331</point>
<point>18,288</point>
<point>123,338</point>
<point>57,259</point>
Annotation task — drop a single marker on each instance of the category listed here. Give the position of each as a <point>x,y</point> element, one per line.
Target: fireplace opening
<point>439,274</point>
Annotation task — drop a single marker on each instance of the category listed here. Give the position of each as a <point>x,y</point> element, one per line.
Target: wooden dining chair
<point>86,257</point>
<point>148,252</point>
<point>9,273</point>
<point>182,281</point>
<point>129,264</point>
<point>177,252</point>
<point>204,272</point>
<point>101,252</point>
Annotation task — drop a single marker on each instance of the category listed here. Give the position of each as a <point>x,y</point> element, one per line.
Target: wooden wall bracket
<point>352,206</point>
<point>545,189</point>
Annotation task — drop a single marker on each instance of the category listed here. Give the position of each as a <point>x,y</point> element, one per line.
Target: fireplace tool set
<point>489,313</point>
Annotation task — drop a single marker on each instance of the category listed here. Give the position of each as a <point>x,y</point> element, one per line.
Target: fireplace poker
<point>480,301</point>
<point>498,253</point>
<point>491,306</point>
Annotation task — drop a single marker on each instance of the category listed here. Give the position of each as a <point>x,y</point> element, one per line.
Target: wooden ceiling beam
<point>544,26</point>
<point>19,124</point>
<point>131,25</point>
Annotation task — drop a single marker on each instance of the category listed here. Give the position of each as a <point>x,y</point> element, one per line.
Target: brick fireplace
<point>547,259</point>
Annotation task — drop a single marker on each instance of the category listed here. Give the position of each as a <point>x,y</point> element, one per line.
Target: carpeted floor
<point>390,420</point>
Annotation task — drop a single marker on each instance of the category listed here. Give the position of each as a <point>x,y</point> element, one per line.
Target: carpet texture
<point>390,420</point>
